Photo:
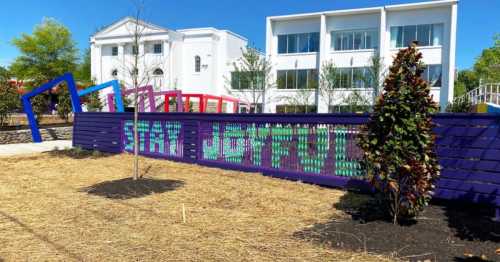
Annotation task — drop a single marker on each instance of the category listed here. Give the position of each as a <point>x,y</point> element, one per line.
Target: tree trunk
<point>136,103</point>
<point>136,136</point>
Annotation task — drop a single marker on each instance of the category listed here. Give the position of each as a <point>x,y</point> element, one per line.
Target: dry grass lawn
<point>47,213</point>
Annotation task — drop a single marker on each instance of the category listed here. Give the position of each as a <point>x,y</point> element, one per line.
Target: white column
<point>121,51</point>
<point>142,55</point>
<point>167,58</point>
<point>323,51</point>
<point>99,67</point>
<point>269,37</point>
<point>383,45</point>
<point>121,58</point>
<point>266,97</point>
<point>446,91</point>
<point>96,68</point>
<point>94,73</point>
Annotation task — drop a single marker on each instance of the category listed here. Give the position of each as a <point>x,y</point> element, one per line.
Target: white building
<point>192,60</point>
<point>298,45</point>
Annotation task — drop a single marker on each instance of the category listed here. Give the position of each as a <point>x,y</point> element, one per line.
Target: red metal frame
<point>177,94</point>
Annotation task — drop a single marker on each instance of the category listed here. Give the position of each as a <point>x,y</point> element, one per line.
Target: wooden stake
<point>183,214</point>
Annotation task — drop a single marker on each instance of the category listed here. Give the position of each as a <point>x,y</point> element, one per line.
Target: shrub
<point>94,103</point>
<point>64,107</point>
<point>40,104</point>
<point>398,143</point>
<point>460,106</point>
<point>9,101</point>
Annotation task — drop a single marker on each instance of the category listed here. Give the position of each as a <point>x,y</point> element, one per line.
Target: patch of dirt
<point>444,231</point>
<point>128,188</point>
<point>78,153</point>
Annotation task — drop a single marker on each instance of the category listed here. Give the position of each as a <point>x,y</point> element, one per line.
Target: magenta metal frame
<point>141,90</point>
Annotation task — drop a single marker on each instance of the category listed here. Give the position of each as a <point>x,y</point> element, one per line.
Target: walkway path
<point>29,148</point>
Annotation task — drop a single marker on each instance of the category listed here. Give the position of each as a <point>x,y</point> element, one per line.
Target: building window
<point>354,39</point>
<point>354,77</point>
<point>256,108</point>
<point>114,51</point>
<point>314,42</point>
<point>197,64</point>
<point>433,74</point>
<point>349,108</point>
<point>282,44</point>
<point>157,48</point>
<point>243,80</point>
<point>158,72</point>
<point>135,50</point>
<point>298,43</point>
<point>426,35</point>
<point>298,79</point>
<point>296,109</point>
<point>114,73</point>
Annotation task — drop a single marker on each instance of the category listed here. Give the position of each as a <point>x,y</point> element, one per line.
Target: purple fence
<point>316,148</point>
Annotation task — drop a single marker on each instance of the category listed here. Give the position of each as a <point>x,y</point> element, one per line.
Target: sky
<point>478,20</point>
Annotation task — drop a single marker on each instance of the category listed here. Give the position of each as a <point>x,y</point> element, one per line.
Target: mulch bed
<point>444,231</point>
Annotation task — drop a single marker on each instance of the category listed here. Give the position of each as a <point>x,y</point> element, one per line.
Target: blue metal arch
<point>116,89</point>
<point>28,108</point>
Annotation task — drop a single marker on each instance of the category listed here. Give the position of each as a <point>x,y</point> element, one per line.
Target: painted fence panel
<point>316,148</point>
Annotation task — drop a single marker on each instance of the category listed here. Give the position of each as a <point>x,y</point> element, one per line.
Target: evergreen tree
<point>398,142</point>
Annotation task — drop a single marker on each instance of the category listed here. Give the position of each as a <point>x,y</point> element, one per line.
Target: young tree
<point>138,78</point>
<point>398,142</point>
<point>251,78</point>
<point>329,81</point>
<point>45,54</point>
<point>375,75</point>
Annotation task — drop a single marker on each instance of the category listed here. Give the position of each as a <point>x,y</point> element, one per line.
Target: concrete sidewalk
<point>29,148</point>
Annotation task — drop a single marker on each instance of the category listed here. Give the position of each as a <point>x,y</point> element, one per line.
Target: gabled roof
<point>114,26</point>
